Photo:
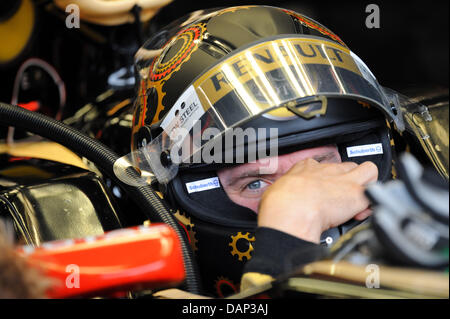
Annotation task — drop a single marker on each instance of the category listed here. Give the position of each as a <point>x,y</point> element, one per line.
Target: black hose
<point>104,158</point>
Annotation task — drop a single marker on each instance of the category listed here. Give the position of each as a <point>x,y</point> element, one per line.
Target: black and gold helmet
<point>258,67</point>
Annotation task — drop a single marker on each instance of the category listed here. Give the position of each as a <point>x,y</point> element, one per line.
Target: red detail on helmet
<point>18,158</point>
<point>157,76</point>
<point>315,26</point>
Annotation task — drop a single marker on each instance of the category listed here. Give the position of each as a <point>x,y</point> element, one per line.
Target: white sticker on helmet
<point>364,150</point>
<point>203,185</point>
<point>186,111</point>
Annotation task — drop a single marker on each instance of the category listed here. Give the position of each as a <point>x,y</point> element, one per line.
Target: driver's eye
<point>258,184</point>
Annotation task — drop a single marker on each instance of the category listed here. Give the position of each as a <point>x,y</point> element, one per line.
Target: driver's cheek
<point>251,203</point>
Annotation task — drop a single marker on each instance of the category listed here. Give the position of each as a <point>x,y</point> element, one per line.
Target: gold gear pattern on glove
<point>236,251</point>
<point>186,221</point>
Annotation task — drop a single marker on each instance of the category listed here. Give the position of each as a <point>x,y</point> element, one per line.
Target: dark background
<point>409,50</point>
<point>410,47</point>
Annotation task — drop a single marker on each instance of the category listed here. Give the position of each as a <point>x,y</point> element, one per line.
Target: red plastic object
<point>118,261</point>
<point>31,106</point>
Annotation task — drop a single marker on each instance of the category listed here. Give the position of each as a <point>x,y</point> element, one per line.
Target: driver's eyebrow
<point>256,172</point>
<point>326,156</point>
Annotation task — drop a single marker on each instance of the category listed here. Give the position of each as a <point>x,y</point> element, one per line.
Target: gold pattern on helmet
<point>393,169</point>
<point>16,31</point>
<point>392,144</point>
<point>234,249</point>
<point>364,104</point>
<point>160,71</point>
<point>147,104</point>
<point>186,221</point>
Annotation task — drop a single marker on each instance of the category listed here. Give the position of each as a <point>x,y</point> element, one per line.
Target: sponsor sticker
<point>203,185</point>
<point>186,111</point>
<point>364,150</point>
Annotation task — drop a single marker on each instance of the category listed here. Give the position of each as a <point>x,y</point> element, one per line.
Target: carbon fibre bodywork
<point>49,201</point>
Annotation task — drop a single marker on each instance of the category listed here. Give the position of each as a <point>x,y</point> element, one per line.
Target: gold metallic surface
<point>44,150</point>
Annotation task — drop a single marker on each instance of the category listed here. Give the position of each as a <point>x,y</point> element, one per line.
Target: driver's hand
<point>313,197</point>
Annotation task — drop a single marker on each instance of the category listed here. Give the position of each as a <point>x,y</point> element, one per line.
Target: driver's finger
<point>364,214</point>
<point>364,173</point>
